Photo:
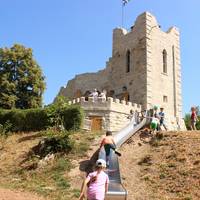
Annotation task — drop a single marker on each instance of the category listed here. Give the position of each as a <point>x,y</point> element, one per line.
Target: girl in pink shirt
<point>96,183</point>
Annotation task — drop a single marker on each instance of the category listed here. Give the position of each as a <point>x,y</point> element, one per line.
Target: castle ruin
<point>145,69</point>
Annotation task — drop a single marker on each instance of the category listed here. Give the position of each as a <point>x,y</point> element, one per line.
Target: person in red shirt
<point>193,118</point>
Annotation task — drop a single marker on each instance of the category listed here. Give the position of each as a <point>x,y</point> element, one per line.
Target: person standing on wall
<point>103,95</point>
<point>96,183</point>
<point>94,94</point>
<point>193,118</point>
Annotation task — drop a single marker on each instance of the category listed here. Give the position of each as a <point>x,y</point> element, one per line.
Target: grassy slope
<point>171,169</point>
<point>51,181</point>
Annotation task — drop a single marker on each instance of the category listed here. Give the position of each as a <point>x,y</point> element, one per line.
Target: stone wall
<point>113,112</point>
<point>164,88</point>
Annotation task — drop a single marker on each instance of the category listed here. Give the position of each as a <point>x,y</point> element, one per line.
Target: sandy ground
<point>6,194</point>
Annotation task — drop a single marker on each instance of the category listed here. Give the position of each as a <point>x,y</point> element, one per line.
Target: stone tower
<point>144,69</point>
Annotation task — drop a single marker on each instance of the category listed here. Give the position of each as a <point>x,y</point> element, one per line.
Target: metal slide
<point>116,190</point>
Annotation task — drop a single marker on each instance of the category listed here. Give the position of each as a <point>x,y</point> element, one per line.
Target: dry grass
<point>166,168</point>
<point>55,181</point>
<point>174,172</point>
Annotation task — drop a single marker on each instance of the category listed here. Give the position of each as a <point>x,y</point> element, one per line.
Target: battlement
<point>109,104</point>
<point>111,113</point>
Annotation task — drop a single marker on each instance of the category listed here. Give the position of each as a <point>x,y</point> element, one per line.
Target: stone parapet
<point>113,112</point>
<point>110,104</point>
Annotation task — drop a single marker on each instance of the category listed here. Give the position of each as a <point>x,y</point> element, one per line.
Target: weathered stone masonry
<point>144,68</point>
<point>113,111</point>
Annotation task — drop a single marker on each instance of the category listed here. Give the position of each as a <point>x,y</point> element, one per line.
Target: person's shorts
<point>153,125</point>
<point>193,122</point>
<point>107,148</point>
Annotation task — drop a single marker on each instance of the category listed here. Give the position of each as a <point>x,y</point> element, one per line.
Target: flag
<point>125,2</point>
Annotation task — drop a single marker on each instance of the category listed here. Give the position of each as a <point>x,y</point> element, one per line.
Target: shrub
<point>4,129</point>
<point>60,143</point>
<point>198,123</point>
<point>14,117</point>
<point>72,118</point>
<point>36,120</point>
<point>187,120</point>
<point>40,119</point>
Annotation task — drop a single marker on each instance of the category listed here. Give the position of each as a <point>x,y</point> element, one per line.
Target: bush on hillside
<point>187,120</point>
<point>198,123</point>
<point>60,143</point>
<point>15,117</point>
<point>70,117</point>
<point>36,120</point>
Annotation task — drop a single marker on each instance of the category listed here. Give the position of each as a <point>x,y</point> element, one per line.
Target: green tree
<point>21,80</point>
<point>187,121</point>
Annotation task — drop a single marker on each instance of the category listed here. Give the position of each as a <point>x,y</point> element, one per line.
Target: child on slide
<point>109,143</point>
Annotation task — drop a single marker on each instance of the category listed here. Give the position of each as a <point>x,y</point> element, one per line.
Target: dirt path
<point>6,194</point>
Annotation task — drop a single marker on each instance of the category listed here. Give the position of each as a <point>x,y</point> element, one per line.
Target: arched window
<point>128,56</point>
<point>164,61</point>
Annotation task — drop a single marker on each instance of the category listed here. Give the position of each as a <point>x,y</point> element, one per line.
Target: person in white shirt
<point>94,94</point>
<point>103,95</point>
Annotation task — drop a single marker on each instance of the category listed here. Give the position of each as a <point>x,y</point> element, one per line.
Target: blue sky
<point>72,37</point>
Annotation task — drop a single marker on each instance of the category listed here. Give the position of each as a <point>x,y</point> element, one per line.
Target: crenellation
<point>129,103</point>
<point>78,100</point>
<point>116,100</point>
<point>123,102</point>
<point>82,99</point>
<point>110,99</point>
<point>73,101</point>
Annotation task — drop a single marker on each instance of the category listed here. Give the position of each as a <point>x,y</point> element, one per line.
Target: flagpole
<point>122,14</point>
